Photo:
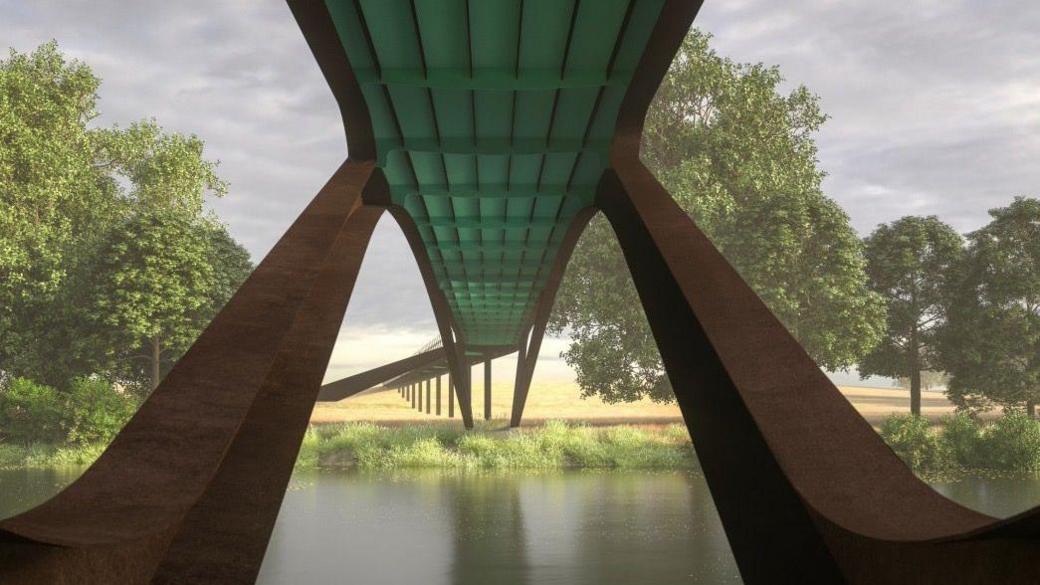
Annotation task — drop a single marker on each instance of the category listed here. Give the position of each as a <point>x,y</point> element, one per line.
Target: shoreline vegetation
<point>957,446</point>
<point>554,445</point>
<point>962,445</point>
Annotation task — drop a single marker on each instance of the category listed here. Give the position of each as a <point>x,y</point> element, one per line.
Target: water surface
<point>437,528</point>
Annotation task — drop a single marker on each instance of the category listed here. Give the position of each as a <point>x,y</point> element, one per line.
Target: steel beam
<point>451,397</point>
<point>487,389</point>
<point>350,386</point>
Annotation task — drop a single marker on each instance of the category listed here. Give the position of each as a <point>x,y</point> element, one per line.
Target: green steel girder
<point>492,122</point>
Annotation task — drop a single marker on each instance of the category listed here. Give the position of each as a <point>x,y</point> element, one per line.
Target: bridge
<point>408,375</point>
<point>492,131</point>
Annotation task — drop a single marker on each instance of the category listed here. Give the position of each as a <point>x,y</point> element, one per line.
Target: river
<point>437,528</point>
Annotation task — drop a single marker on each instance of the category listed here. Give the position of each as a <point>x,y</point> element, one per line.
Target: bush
<point>913,440</point>
<point>92,411</point>
<point>30,412</point>
<point>96,411</point>
<point>1011,444</point>
<point>962,436</point>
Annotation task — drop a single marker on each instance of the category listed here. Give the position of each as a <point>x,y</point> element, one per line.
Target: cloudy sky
<point>934,105</point>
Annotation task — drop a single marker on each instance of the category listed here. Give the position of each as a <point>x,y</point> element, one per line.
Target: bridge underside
<point>188,492</point>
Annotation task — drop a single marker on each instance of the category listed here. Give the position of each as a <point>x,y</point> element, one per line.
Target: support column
<point>461,376</point>
<point>411,393</point>
<point>487,389</point>
<point>451,398</point>
<point>464,393</point>
<point>521,385</point>
<point>418,392</point>
<point>531,344</point>
<point>438,396</point>
<point>201,507</point>
<point>428,397</point>
<point>237,513</point>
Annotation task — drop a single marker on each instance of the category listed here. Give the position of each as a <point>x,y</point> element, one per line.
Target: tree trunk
<point>1031,409</point>
<point>915,392</point>
<point>156,349</point>
<point>915,374</point>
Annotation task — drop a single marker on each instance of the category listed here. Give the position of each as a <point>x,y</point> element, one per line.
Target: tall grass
<point>556,445</point>
<point>960,443</point>
<point>48,455</point>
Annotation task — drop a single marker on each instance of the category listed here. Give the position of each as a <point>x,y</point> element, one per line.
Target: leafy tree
<point>909,263</point>
<point>102,232</point>
<point>55,196</point>
<point>740,158</point>
<point>161,277</point>
<point>231,267</point>
<point>991,343</point>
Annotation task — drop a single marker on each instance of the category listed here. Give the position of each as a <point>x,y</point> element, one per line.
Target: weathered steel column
<point>428,396</point>
<point>464,393</point>
<point>487,389</point>
<point>149,505</point>
<point>451,397</point>
<point>438,396</point>
<point>519,388</point>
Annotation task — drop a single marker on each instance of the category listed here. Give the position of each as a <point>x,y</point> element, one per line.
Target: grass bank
<point>47,455</point>
<point>555,445</point>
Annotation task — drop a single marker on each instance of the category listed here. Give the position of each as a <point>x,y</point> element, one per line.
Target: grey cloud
<point>935,105</point>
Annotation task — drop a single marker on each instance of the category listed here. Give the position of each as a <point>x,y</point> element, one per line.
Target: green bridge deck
<point>492,121</point>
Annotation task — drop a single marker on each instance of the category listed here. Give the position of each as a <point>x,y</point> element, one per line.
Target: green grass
<point>960,445</point>
<point>556,445</point>
<point>47,455</point>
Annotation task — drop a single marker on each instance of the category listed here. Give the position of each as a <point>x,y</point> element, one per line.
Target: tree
<point>909,263</point>
<point>74,203</point>
<point>161,277</point>
<point>740,158</point>
<point>55,197</point>
<point>991,343</point>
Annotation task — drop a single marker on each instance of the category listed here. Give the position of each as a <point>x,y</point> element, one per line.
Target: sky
<point>934,110</point>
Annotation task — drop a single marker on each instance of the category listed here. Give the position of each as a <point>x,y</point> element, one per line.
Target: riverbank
<point>47,456</point>
<point>956,447</point>
<point>554,445</point>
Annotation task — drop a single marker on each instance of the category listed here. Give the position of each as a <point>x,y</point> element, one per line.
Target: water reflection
<point>602,528</point>
<point>440,528</point>
<point>490,540</point>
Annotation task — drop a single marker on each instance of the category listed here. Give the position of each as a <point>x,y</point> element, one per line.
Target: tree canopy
<point>54,191</point>
<point>991,344</point>
<point>104,236</point>
<point>910,262</point>
<point>739,156</point>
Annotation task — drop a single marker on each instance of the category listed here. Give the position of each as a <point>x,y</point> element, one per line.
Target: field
<point>561,401</point>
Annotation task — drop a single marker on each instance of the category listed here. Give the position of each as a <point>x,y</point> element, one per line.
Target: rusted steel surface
<point>123,517</point>
<point>807,491</point>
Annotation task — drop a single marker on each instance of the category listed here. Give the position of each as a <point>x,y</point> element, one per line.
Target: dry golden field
<point>562,401</point>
